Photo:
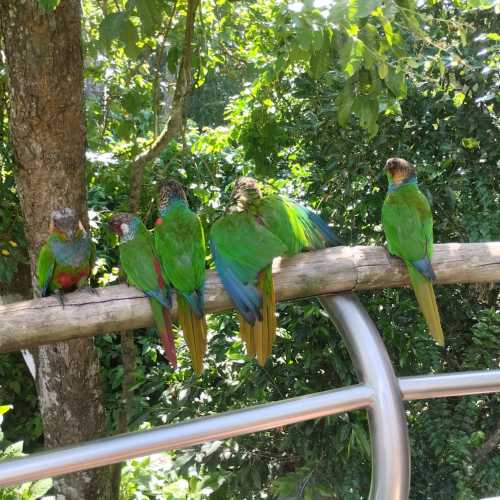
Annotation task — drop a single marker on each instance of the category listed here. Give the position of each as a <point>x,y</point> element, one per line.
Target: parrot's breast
<point>70,279</point>
<point>71,253</point>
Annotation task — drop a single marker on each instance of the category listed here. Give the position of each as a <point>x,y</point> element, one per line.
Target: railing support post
<point>388,429</point>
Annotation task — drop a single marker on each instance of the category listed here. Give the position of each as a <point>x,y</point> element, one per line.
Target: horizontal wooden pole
<point>120,307</point>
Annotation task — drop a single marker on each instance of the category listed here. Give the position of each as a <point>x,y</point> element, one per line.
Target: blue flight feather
<point>164,299</point>
<point>246,298</point>
<point>424,267</point>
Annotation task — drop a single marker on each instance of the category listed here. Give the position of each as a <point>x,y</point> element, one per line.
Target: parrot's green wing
<point>180,246</point>
<point>295,225</point>
<point>45,269</point>
<point>141,265</point>
<point>241,248</point>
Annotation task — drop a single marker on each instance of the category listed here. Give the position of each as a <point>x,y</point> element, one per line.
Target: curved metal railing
<point>380,392</point>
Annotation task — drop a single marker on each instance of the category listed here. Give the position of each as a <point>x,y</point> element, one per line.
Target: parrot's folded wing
<point>241,249</point>
<point>45,269</point>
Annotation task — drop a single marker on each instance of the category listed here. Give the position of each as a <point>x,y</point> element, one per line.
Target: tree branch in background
<point>174,123</point>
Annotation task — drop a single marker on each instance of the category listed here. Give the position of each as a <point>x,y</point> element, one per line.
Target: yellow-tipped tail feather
<point>247,335</point>
<point>195,333</point>
<point>259,338</point>
<point>424,292</point>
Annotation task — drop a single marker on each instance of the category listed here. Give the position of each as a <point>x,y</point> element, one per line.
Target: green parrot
<point>180,246</point>
<point>407,221</point>
<point>244,243</point>
<point>65,261</point>
<point>143,271</point>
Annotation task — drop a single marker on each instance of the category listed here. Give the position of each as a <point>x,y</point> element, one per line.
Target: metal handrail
<point>381,393</point>
<point>390,443</point>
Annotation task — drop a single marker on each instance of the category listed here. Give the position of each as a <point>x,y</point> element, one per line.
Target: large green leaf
<point>362,8</point>
<point>150,13</point>
<point>109,30</point>
<point>39,488</point>
<point>344,105</point>
<point>129,37</point>
<point>172,58</point>
<point>396,82</point>
<point>49,5</point>
<point>366,109</point>
<point>118,26</point>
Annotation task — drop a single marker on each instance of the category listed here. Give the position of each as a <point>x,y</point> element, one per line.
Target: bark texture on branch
<point>45,69</point>
<point>332,270</point>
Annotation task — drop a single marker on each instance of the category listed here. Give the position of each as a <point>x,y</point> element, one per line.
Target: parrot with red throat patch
<point>64,263</point>
<point>244,243</point>
<point>407,222</point>
<point>143,270</point>
<point>180,246</point>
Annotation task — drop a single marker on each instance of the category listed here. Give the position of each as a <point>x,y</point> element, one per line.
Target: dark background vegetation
<point>294,104</point>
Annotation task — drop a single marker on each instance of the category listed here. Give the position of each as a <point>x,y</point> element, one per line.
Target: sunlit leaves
<point>458,99</point>
<point>362,8</point>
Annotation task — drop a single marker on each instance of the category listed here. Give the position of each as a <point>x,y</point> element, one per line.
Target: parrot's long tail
<point>259,338</point>
<point>163,323</point>
<point>427,303</point>
<point>195,332</point>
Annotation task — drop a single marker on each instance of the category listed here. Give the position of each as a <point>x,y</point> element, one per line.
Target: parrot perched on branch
<point>65,261</point>
<point>244,243</point>
<point>180,246</point>
<point>407,222</point>
<point>143,271</point>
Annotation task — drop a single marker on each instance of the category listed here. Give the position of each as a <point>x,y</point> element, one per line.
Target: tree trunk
<point>45,68</point>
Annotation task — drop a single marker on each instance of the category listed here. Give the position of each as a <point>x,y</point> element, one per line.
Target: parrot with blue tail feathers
<point>407,222</point>
<point>244,242</point>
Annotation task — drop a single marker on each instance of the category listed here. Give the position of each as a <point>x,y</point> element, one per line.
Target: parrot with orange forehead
<point>65,261</point>
<point>143,270</point>
<point>407,222</point>
<point>244,242</point>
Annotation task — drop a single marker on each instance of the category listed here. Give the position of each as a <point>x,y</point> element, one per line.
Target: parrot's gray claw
<point>91,290</point>
<point>60,297</point>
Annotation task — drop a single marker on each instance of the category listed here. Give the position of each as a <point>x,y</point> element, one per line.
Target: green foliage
<point>311,97</point>
<point>12,240</point>
<point>28,490</point>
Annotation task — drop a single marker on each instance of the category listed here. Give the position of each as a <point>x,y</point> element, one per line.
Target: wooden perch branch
<point>42,321</point>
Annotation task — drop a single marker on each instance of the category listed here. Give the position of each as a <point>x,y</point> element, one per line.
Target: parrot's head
<point>170,190</point>
<point>65,223</point>
<point>120,223</point>
<point>246,190</point>
<point>399,170</point>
